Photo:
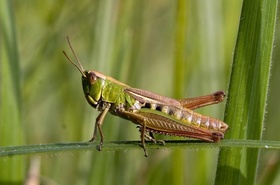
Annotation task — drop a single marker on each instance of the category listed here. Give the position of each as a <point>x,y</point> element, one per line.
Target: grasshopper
<point>153,113</point>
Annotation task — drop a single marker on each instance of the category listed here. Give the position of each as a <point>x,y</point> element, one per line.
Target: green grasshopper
<point>152,112</point>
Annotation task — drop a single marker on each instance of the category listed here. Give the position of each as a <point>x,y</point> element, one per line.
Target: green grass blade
<point>248,90</point>
<point>178,80</point>
<point>125,146</point>
<point>11,133</point>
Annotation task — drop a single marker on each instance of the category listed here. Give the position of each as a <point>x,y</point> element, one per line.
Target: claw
<point>150,137</point>
<point>145,153</point>
<point>99,147</point>
<point>92,139</point>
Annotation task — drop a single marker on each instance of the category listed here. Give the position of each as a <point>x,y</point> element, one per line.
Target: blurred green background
<point>135,42</point>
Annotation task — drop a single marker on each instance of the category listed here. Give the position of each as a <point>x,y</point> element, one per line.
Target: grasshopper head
<point>92,81</point>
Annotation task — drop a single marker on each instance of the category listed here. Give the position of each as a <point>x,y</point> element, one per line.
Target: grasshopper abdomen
<point>188,116</point>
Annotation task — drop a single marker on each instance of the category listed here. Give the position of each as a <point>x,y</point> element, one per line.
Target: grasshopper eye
<point>92,77</point>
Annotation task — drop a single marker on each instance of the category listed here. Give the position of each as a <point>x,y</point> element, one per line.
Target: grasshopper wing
<point>144,96</point>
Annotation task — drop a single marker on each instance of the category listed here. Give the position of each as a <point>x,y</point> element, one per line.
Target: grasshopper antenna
<point>79,67</point>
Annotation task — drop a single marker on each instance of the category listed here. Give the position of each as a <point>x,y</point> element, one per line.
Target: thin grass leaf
<point>248,90</point>
<point>126,146</point>
<point>11,132</point>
